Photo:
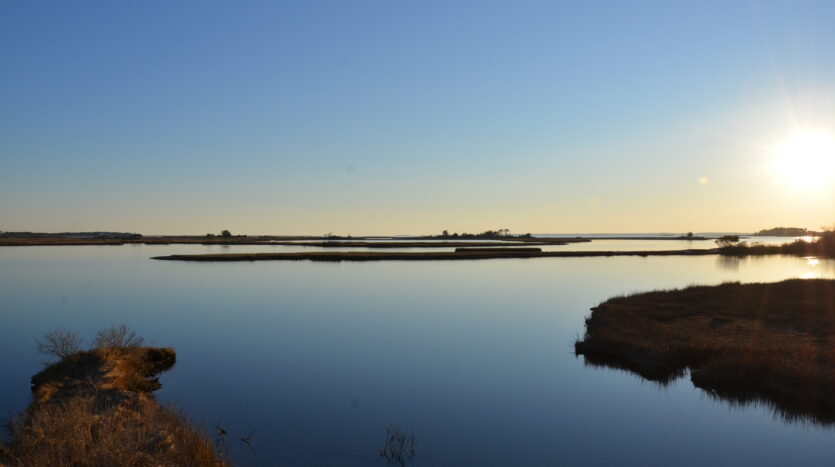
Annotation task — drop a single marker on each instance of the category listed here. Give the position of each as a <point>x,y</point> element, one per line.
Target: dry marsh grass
<point>411,244</point>
<point>744,342</point>
<point>823,246</point>
<point>493,253</point>
<point>95,408</point>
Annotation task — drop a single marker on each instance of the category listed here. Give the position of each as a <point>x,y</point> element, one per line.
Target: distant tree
<point>445,233</point>
<point>689,235</point>
<point>226,233</point>
<point>727,241</point>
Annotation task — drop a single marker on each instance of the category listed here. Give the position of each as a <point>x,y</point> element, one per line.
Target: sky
<point>408,117</point>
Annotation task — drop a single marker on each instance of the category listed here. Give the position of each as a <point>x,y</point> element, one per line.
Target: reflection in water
<point>812,267</point>
<point>813,263</point>
<point>788,410</point>
<point>474,356</point>
<point>729,263</point>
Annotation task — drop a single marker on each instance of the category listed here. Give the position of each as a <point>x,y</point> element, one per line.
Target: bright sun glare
<point>806,159</point>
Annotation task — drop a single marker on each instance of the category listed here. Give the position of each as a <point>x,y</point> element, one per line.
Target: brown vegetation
<point>412,244</point>
<point>744,342</point>
<point>94,408</point>
<point>492,253</point>
<point>501,250</point>
<point>823,246</point>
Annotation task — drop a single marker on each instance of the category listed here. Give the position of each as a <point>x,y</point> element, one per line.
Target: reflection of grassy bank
<point>94,408</point>
<point>770,342</point>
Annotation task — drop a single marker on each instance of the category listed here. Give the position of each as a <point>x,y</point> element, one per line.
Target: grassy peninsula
<point>462,254</point>
<point>743,342</point>
<point>95,408</point>
<point>416,244</point>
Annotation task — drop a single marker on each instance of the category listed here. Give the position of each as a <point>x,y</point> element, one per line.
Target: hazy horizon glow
<point>379,117</point>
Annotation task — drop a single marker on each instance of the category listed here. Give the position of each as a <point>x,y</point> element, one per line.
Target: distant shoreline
<point>325,242</point>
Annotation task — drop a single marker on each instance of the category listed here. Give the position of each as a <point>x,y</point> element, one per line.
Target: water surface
<point>474,357</point>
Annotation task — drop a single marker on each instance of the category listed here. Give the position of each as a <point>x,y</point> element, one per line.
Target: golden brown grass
<point>498,250</point>
<point>746,342</point>
<point>422,256</point>
<point>410,244</point>
<point>94,408</point>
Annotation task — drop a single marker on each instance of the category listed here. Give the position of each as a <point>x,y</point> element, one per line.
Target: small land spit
<point>771,343</point>
<point>95,408</point>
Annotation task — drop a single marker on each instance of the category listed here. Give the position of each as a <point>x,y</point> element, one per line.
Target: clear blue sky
<point>359,117</point>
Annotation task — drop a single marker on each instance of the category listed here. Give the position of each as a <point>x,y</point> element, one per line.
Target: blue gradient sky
<point>409,117</point>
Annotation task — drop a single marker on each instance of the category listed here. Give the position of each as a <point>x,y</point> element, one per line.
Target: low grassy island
<point>458,254</point>
<point>773,343</point>
<point>784,232</point>
<point>95,408</point>
<point>413,244</point>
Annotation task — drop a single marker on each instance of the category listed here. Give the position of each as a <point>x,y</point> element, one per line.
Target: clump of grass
<point>399,446</point>
<point>95,408</point>
<point>744,342</point>
<point>81,431</point>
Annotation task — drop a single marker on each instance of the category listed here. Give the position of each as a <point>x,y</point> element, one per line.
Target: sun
<point>806,159</point>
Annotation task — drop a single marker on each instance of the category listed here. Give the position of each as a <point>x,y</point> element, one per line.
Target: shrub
<point>117,336</point>
<point>58,343</point>
<point>728,241</point>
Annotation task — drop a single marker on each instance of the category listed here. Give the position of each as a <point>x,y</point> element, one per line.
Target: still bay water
<point>474,357</point>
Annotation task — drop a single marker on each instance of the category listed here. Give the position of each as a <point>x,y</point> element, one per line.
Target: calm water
<point>475,357</point>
